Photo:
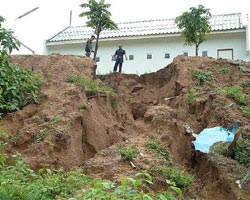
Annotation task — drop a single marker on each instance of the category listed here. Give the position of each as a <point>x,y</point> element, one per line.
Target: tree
<point>98,17</point>
<point>195,26</point>
<point>7,42</point>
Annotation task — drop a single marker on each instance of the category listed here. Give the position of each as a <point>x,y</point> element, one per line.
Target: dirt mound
<point>60,132</point>
<point>57,132</point>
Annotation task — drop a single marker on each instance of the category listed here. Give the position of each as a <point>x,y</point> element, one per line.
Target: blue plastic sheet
<point>209,136</point>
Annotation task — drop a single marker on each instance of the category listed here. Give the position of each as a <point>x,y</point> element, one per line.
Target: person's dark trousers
<point>87,54</point>
<point>116,65</point>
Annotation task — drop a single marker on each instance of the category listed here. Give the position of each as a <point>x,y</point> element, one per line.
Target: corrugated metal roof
<point>146,27</point>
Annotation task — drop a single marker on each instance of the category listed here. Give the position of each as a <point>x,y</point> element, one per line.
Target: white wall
<point>157,47</point>
<point>248,41</point>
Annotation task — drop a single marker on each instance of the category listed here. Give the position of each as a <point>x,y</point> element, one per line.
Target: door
<point>225,53</point>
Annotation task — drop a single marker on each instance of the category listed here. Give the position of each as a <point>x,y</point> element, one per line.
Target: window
<point>204,53</point>
<point>131,57</point>
<point>113,57</point>
<point>97,59</point>
<point>149,56</point>
<point>167,55</point>
<point>185,53</point>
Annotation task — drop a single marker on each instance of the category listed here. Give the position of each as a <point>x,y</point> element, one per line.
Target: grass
<point>191,95</point>
<point>89,84</point>
<point>84,106</point>
<point>128,153</point>
<point>245,84</point>
<point>236,92</point>
<point>158,148</point>
<point>43,132</point>
<point>225,70</point>
<point>173,174</point>
<point>242,152</point>
<point>219,148</point>
<point>246,111</point>
<point>55,120</point>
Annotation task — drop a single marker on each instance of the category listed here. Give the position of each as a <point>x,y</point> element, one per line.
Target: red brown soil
<point>139,112</point>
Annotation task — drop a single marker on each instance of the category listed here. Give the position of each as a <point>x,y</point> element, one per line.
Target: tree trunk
<point>196,49</point>
<point>96,44</point>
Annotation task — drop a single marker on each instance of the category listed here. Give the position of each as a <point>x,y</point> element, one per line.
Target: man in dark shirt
<point>119,53</point>
<point>88,46</point>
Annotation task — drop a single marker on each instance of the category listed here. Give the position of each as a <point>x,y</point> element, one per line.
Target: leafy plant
<point>19,182</point>
<point>175,175</point>
<point>84,106</point>
<point>225,70</point>
<point>242,152</point>
<point>191,95</point>
<point>19,86</point>
<point>201,77</point>
<point>7,42</point>
<point>128,153</point>
<point>157,147</point>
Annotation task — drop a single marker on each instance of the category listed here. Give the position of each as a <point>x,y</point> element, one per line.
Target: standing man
<point>119,53</point>
<point>88,47</point>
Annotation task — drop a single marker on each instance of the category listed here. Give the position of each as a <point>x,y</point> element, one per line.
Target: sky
<point>53,16</point>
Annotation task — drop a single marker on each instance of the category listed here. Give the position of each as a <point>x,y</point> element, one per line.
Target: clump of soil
<point>58,132</point>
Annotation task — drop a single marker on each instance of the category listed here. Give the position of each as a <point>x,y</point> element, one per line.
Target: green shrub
<point>128,153</point>
<point>225,70</point>
<point>19,87</point>
<point>19,182</point>
<point>157,147</point>
<point>242,152</point>
<point>201,77</point>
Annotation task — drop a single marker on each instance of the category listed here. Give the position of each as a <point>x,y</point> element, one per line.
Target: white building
<point>152,44</point>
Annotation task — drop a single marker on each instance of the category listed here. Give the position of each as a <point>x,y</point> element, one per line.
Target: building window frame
<point>167,55</point>
<point>131,57</point>
<point>149,56</point>
<point>185,53</point>
<point>97,59</point>
<point>204,53</point>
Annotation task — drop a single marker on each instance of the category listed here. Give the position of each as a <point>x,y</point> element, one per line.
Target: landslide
<point>57,132</point>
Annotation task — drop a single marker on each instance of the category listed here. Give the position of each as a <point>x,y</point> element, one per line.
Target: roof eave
<point>138,37</point>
